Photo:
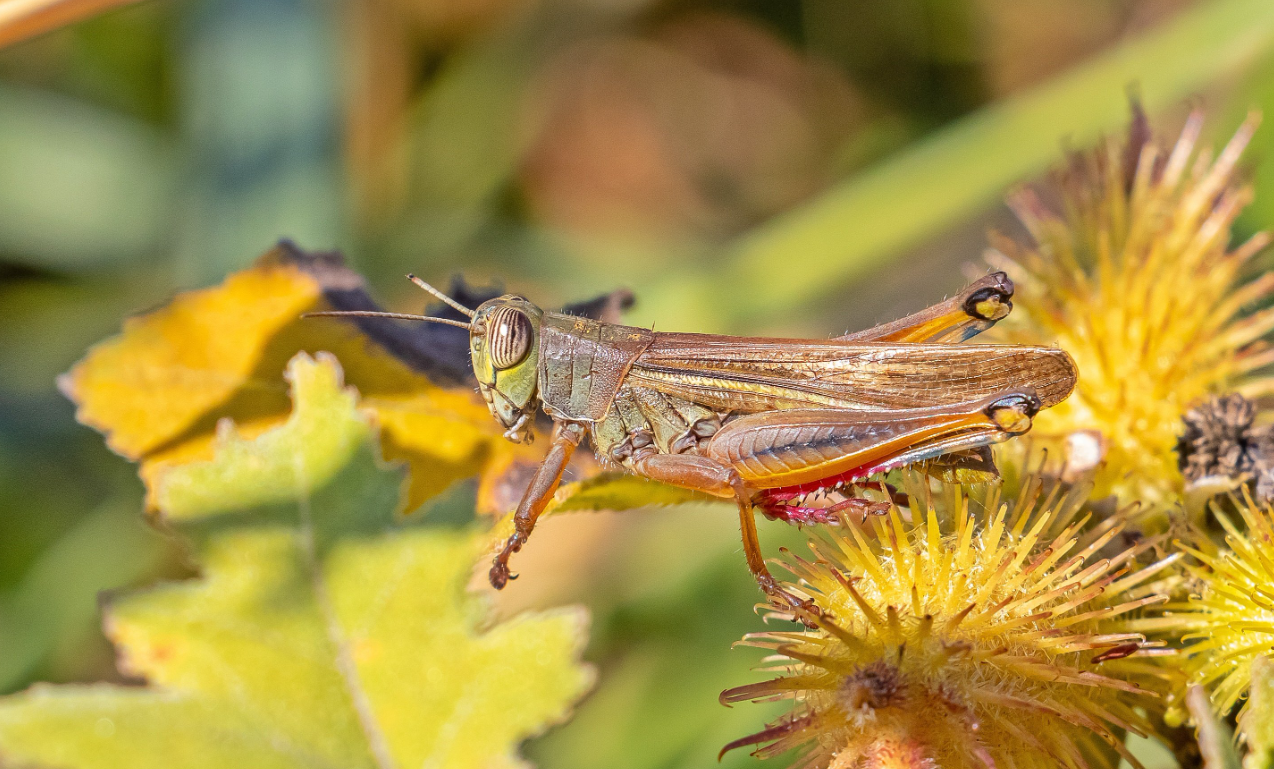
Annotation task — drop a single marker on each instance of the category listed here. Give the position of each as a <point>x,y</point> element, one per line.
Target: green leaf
<point>865,221</point>
<point>324,631</point>
<point>1216,742</point>
<point>1257,723</point>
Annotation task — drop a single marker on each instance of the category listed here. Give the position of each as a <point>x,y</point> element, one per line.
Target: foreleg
<point>566,437</point>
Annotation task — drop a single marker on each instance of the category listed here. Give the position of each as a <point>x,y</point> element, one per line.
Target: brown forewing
<point>750,374</point>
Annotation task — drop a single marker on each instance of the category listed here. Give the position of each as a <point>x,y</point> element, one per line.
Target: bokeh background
<point>780,166</point>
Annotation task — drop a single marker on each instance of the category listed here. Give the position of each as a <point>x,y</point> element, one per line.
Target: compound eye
<point>508,337</point>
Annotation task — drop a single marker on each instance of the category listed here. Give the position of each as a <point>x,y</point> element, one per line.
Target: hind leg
<point>798,515</point>
<point>689,471</point>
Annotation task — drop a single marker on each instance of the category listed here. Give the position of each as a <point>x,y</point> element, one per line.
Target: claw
<point>500,575</point>
<point>804,610</point>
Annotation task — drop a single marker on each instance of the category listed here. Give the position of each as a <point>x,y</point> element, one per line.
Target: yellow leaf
<point>158,390</point>
<point>620,491</point>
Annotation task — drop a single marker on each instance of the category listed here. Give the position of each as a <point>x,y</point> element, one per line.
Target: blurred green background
<point>782,166</point>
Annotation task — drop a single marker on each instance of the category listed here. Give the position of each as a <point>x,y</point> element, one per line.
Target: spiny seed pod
<point>1222,440</point>
<point>980,634</point>
<point>1133,274</point>
<point>1227,622</point>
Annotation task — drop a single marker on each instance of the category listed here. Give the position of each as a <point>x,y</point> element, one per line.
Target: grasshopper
<point>788,427</point>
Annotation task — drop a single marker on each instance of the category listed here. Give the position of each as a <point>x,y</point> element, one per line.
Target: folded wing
<point>751,374</point>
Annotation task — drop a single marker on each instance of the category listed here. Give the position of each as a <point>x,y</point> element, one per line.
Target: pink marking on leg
<point>797,515</point>
<point>864,507</point>
<point>802,516</point>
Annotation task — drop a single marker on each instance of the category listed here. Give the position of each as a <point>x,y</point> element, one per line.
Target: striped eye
<point>509,338</point>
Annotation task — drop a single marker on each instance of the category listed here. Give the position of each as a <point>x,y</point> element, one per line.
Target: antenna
<point>451,302</point>
<point>395,315</point>
<point>402,316</point>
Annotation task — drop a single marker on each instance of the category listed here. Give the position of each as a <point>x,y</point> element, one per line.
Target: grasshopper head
<point>504,342</point>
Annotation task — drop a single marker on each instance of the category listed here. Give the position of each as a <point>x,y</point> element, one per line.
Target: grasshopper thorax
<point>504,344</point>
